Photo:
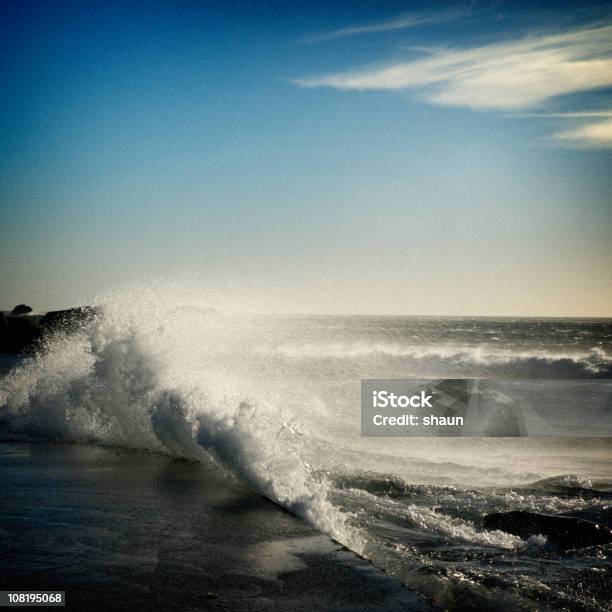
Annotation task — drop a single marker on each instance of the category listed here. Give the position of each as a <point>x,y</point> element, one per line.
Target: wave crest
<point>114,383</point>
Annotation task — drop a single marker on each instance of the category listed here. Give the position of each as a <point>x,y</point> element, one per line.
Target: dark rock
<point>22,334</point>
<point>19,334</point>
<point>563,531</point>
<point>67,319</point>
<point>19,310</point>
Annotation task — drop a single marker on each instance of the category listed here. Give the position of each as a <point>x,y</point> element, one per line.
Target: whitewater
<point>273,401</point>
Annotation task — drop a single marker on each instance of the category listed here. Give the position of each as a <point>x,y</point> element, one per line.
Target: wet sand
<point>126,530</point>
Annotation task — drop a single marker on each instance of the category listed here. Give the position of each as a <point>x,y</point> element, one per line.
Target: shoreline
<point>121,529</point>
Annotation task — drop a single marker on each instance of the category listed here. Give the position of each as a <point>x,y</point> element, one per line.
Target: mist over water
<point>274,402</point>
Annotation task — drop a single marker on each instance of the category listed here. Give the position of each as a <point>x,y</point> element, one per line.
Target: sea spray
<point>118,382</point>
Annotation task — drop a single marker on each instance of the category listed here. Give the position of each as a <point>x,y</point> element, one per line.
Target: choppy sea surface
<point>274,402</point>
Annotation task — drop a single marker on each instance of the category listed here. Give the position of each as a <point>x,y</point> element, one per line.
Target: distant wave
<point>595,362</point>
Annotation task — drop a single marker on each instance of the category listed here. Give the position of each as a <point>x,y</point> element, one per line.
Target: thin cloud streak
<point>502,76</point>
<point>400,22</point>
<point>594,135</point>
<point>567,115</point>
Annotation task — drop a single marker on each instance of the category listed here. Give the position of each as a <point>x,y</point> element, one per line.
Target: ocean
<point>273,402</point>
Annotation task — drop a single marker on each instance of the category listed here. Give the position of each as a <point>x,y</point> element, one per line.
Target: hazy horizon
<point>330,158</point>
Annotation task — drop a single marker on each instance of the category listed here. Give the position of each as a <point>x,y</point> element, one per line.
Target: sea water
<point>274,402</point>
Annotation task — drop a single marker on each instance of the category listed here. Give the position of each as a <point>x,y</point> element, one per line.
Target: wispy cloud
<point>592,135</point>
<point>400,22</point>
<point>503,76</point>
<point>568,115</point>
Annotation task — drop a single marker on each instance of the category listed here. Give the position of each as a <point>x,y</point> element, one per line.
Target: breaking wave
<point>116,382</point>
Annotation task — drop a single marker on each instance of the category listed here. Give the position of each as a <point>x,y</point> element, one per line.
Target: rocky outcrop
<point>22,334</point>
<point>19,334</point>
<point>20,309</point>
<point>67,319</point>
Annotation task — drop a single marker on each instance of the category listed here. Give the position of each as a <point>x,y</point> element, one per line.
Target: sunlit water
<point>274,402</point>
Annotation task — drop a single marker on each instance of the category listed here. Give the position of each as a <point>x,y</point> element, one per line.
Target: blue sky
<point>380,157</point>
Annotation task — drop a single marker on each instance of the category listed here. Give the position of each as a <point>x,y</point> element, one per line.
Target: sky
<point>334,157</point>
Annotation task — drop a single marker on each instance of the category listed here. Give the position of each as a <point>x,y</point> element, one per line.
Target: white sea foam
<point>428,519</point>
